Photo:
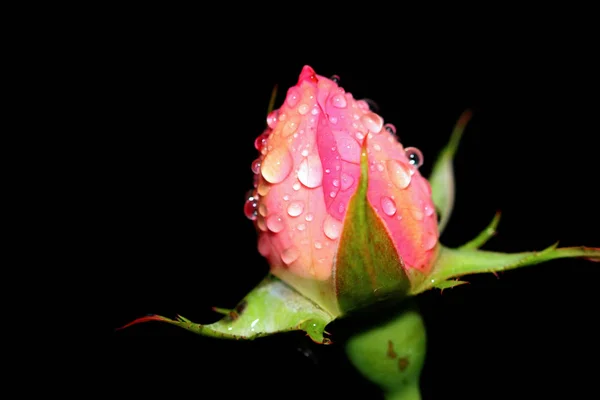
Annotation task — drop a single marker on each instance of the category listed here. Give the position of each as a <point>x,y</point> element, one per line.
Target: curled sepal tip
<point>454,263</point>
<point>270,308</point>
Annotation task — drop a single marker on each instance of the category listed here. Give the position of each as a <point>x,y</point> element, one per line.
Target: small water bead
<point>295,208</point>
<point>301,227</point>
<point>318,245</point>
<point>314,111</point>
<point>309,217</point>
<point>377,147</point>
<point>293,96</point>
<point>251,206</point>
<point>296,186</point>
<point>261,140</point>
<point>286,197</point>
<point>429,241</point>
<point>303,109</point>
<point>414,155</point>
<point>275,223</point>
<point>388,206</point>
<point>341,208</point>
<point>347,181</point>
<point>332,227</point>
<point>272,118</point>
<point>332,194</point>
<point>262,209</point>
<point>399,175</point>
<point>336,182</point>
<point>335,78</point>
<point>417,214</point>
<point>380,167</point>
<point>372,122</point>
<point>429,211</point>
<point>390,128</point>
<point>333,119</point>
<point>277,165</point>
<point>260,222</point>
<point>263,187</point>
<point>256,166</point>
<point>339,101</point>
<point>290,255</point>
<point>304,153</point>
<point>310,172</point>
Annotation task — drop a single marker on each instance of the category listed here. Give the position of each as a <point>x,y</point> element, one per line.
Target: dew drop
<point>264,247</point>
<point>417,214</point>
<point>251,206</point>
<point>262,209</point>
<point>290,255</point>
<point>348,148</point>
<point>339,101</point>
<point>390,128</point>
<point>414,155</point>
<point>388,206</point>
<point>275,223</point>
<point>263,187</point>
<point>372,122</point>
<point>336,182</point>
<point>377,147</point>
<point>303,109</point>
<point>332,227</point>
<point>301,227</point>
<point>380,167</point>
<point>260,222</point>
<point>314,111</point>
<point>399,175</point>
<point>272,118</point>
<point>292,97</point>
<point>347,181</point>
<point>277,165</point>
<point>261,141</point>
<point>429,241</point>
<point>333,119</point>
<point>304,153</point>
<point>309,217</point>
<point>332,194</point>
<point>296,186</point>
<point>341,208</point>
<point>295,208</point>
<point>310,172</point>
<point>318,244</point>
<point>286,197</point>
<point>335,78</point>
<point>256,166</point>
<point>428,211</point>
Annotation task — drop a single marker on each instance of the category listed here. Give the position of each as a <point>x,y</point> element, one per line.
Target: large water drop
<point>277,165</point>
<point>399,175</point>
<point>310,172</point>
<point>332,227</point>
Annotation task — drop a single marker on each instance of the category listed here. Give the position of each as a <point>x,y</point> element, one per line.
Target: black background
<point>179,116</point>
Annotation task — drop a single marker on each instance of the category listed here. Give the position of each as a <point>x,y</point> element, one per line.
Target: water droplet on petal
<point>250,207</point>
<point>339,101</point>
<point>293,96</point>
<point>309,217</point>
<point>417,214</point>
<point>429,241</point>
<point>310,172</point>
<point>414,155</point>
<point>336,182</point>
<point>347,181</point>
<point>286,197</point>
<point>260,222</point>
<point>390,128</point>
<point>304,153</point>
<point>377,147</point>
<point>399,175</point>
<point>335,78</point>
<point>318,244</point>
<point>263,187</point>
<point>428,211</point>
<point>256,166</point>
<point>348,148</point>
<point>332,194</point>
<point>314,111</point>
<point>301,227</point>
<point>295,208</point>
<point>380,167</point>
<point>264,247</point>
<point>303,109</point>
<point>272,118</point>
<point>372,122</point>
<point>275,223</point>
<point>388,206</point>
<point>290,255</point>
<point>341,208</point>
<point>277,165</point>
<point>332,227</point>
<point>261,140</point>
<point>296,186</point>
<point>262,209</point>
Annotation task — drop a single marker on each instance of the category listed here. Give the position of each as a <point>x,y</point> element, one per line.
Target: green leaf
<point>484,236</point>
<point>368,268</point>
<point>442,173</point>
<point>454,263</point>
<point>271,307</point>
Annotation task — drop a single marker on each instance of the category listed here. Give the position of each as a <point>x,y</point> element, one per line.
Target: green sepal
<point>484,236</point>
<point>454,263</point>
<point>368,268</point>
<point>448,284</point>
<point>442,173</point>
<point>391,352</point>
<point>271,307</point>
